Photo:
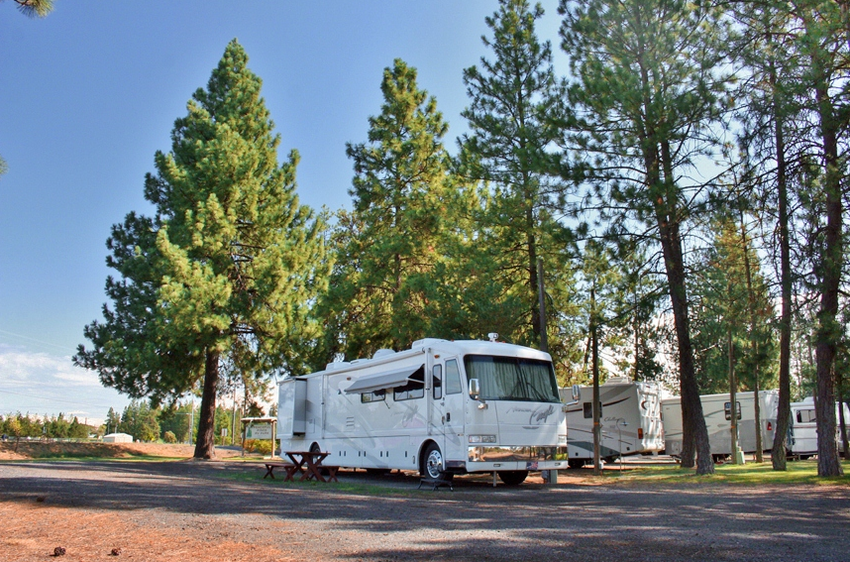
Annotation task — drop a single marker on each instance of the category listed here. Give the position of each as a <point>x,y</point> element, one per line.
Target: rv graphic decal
<point>541,414</point>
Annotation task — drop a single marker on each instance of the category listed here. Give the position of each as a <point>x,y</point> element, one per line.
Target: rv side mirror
<point>576,393</point>
<point>474,389</point>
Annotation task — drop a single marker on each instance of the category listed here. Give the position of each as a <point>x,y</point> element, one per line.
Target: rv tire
<point>433,465</point>
<point>314,448</point>
<point>513,477</point>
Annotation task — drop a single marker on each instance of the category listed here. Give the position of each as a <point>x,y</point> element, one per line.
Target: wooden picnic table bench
<point>290,469</point>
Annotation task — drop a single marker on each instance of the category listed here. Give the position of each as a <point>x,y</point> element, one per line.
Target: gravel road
<point>226,511</point>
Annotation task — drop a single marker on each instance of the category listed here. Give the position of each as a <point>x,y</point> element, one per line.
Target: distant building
<point>118,438</point>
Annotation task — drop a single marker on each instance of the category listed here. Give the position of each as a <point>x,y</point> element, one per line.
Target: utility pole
<point>233,419</point>
<point>549,476</point>
<point>597,464</point>
<point>733,398</point>
<point>541,295</point>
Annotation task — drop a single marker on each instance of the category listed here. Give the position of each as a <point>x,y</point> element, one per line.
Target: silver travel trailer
<point>717,411</point>
<point>802,440</point>
<point>440,407</point>
<point>803,431</point>
<point>630,421</point>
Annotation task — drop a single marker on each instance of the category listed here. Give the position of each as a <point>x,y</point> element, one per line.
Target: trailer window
<point>415,387</point>
<point>453,384</point>
<point>727,409</point>
<point>588,409</point>
<point>513,378</point>
<point>806,416</point>
<point>376,396</point>
<point>436,377</point>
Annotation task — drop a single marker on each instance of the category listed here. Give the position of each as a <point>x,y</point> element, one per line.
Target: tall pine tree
<point>514,101</point>
<point>390,243</point>
<point>648,91</point>
<point>227,266</point>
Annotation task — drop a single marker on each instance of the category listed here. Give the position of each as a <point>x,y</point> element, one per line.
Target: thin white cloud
<point>48,384</point>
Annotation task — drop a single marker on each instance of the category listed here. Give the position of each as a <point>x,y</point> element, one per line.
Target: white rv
<point>630,420</point>
<point>803,431</point>
<point>717,410</point>
<point>442,407</point>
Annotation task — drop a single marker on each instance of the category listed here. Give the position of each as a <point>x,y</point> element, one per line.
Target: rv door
<point>448,409</point>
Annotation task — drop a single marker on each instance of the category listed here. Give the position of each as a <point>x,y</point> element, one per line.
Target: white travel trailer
<point>442,407</point>
<point>630,421</point>
<point>803,431</point>
<point>716,409</point>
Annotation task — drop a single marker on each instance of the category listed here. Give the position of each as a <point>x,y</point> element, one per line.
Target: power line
<point>23,337</point>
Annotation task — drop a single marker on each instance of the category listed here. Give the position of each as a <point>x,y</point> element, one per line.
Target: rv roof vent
<point>382,353</point>
<point>335,365</point>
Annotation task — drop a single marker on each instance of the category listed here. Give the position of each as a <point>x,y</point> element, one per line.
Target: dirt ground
<point>226,510</point>
<point>23,450</point>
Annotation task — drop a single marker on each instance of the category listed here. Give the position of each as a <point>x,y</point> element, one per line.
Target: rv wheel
<point>433,465</point>
<point>314,448</point>
<point>513,477</point>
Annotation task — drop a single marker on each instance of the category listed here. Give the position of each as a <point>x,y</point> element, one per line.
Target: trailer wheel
<point>575,463</point>
<point>433,465</point>
<point>513,477</point>
<point>314,448</point>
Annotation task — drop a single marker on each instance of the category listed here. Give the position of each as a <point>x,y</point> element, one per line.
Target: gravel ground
<point>202,511</point>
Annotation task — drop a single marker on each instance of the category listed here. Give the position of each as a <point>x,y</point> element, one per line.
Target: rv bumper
<point>516,458</point>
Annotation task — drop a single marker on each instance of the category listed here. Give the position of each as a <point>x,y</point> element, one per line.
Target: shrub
<point>262,447</point>
<point>169,437</point>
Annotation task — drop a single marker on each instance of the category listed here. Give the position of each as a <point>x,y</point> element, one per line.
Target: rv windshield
<point>512,378</point>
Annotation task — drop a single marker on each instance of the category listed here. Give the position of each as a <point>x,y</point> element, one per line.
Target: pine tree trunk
<point>754,347</point>
<point>695,434</point>
<point>828,329</point>
<point>783,417</point>
<point>205,445</point>
<point>692,415</point>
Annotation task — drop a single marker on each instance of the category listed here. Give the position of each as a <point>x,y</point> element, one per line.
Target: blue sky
<point>91,92</point>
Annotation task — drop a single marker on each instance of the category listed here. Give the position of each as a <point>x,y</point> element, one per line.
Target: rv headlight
<point>482,438</point>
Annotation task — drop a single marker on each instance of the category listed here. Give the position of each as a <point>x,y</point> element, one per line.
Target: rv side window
<point>415,387</point>
<point>376,396</point>
<point>453,385</point>
<point>437,378</point>
<point>588,409</point>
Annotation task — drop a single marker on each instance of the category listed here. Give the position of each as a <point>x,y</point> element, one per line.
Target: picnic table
<point>307,464</point>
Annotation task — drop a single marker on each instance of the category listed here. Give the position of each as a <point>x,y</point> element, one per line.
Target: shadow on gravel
<point>475,521</point>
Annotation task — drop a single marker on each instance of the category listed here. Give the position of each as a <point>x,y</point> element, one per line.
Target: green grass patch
<point>348,487</point>
<point>749,474</point>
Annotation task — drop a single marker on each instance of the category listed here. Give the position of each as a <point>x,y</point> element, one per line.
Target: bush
<point>169,437</point>
<point>262,447</point>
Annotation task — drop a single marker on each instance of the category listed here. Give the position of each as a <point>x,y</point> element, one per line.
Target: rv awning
<point>380,381</point>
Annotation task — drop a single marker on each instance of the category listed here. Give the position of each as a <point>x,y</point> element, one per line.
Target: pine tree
<point>226,268</point>
<point>798,55</point>
<point>35,8</point>
<point>648,91</point>
<point>389,245</point>
<point>514,103</point>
